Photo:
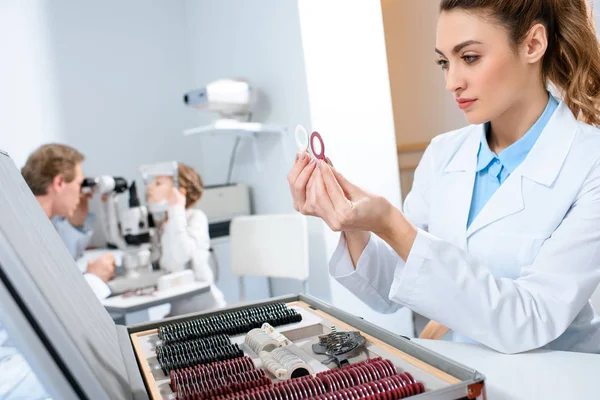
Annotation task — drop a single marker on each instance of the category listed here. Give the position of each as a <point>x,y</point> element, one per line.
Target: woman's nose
<point>454,80</point>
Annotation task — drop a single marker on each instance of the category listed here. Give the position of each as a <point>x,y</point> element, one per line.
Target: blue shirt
<point>492,170</point>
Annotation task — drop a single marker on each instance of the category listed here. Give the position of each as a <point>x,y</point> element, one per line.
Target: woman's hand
<point>345,206</point>
<point>176,197</point>
<point>77,219</point>
<point>298,178</point>
<point>321,191</point>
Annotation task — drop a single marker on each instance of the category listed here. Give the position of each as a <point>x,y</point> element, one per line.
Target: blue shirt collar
<point>514,154</point>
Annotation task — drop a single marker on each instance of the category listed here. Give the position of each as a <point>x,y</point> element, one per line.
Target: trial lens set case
<point>77,352</point>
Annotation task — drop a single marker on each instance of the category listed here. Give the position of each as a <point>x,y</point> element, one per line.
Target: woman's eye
<point>470,59</point>
<point>442,63</point>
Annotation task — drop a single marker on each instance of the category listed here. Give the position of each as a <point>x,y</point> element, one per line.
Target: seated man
<point>54,175</point>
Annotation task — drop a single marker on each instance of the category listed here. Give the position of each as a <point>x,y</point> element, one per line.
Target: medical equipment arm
<point>110,222</point>
<point>378,264</point>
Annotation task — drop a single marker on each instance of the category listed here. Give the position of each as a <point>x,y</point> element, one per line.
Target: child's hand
<point>176,198</point>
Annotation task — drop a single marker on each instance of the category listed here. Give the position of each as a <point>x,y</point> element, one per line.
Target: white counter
<point>539,374</point>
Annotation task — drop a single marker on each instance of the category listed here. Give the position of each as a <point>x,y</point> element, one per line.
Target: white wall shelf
<point>237,127</point>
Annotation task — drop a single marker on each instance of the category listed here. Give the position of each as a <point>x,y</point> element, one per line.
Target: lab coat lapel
<point>459,176</point>
<point>507,200</point>
<point>542,165</point>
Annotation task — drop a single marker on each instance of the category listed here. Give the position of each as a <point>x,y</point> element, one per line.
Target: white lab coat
<point>521,276</point>
<point>185,244</point>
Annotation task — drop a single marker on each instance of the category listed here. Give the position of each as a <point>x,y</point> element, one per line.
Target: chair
<point>433,330</point>
<point>274,246</point>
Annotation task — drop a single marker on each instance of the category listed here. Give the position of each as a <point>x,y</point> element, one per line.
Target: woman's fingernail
<point>303,155</point>
<point>312,160</point>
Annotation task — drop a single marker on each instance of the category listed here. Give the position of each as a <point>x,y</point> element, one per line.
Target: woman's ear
<point>182,191</point>
<point>535,43</point>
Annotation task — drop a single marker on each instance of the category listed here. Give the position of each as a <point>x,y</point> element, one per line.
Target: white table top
<point>539,374</point>
<point>133,303</point>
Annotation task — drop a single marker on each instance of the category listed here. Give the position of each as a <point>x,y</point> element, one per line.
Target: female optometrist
<point>499,239</point>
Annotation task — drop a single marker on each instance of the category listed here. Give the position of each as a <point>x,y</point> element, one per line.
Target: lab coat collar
<point>553,144</point>
<point>550,151</point>
<point>542,165</point>
<point>465,159</point>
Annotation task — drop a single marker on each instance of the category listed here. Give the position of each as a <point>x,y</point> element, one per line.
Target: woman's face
<point>159,189</point>
<point>482,70</point>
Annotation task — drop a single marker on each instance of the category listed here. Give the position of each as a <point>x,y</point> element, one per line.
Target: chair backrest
<point>274,245</point>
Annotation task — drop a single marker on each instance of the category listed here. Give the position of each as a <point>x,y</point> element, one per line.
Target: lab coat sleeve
<point>379,264</point>
<point>76,240</point>
<point>185,239</point>
<point>374,272</point>
<point>99,287</point>
<point>444,283</point>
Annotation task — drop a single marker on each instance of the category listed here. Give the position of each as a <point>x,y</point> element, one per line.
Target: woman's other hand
<point>176,197</point>
<point>320,190</point>
<point>341,204</point>
<point>298,178</point>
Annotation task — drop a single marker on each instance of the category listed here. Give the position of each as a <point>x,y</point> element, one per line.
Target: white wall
<point>28,90</point>
<point>258,40</point>
<point>122,68</point>
<point>350,104</point>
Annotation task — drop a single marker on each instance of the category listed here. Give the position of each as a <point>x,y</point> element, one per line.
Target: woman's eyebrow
<point>458,47</point>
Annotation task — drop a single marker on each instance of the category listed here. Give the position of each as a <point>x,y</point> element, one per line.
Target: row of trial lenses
<point>251,314</point>
<point>210,342</point>
<point>200,329</point>
<point>398,386</point>
<point>194,357</point>
<point>231,327</point>
<point>223,317</point>
<point>300,388</point>
<point>222,386</point>
<point>343,379</point>
<point>207,372</point>
<point>328,381</point>
<point>354,374</point>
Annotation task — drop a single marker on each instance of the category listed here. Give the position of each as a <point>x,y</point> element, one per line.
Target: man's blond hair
<point>46,163</point>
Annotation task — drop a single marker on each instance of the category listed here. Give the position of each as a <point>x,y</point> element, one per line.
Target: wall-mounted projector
<point>231,98</point>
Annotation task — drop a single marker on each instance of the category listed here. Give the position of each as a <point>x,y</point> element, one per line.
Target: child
<point>184,236</point>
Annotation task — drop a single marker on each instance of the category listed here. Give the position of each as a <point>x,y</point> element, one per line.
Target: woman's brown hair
<point>191,182</point>
<point>572,60</point>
